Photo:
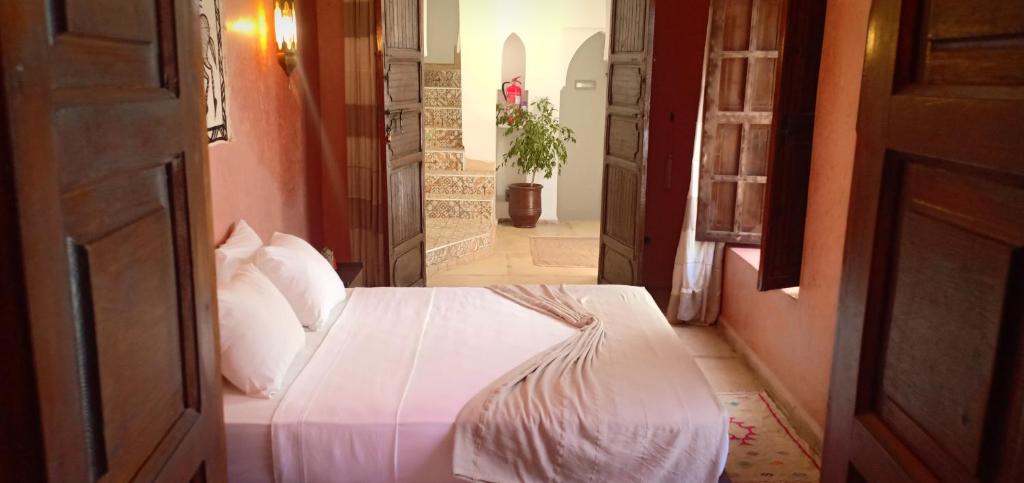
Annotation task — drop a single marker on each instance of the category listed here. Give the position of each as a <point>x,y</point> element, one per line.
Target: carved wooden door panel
<point>109,160</point>
<point>625,145</point>
<point>403,117</point>
<point>929,358</point>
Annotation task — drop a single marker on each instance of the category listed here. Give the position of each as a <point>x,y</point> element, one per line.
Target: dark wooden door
<point>108,155</point>
<point>403,117</point>
<point>625,145</point>
<point>928,376</point>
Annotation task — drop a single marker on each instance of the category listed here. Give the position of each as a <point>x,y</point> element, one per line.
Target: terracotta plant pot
<point>524,204</point>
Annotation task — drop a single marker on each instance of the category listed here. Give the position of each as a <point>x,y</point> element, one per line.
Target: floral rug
<point>762,445</point>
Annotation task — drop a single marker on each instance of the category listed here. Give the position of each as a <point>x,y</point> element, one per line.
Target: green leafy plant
<point>539,142</point>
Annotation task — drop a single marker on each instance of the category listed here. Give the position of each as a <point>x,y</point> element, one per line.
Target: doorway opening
<point>470,239</point>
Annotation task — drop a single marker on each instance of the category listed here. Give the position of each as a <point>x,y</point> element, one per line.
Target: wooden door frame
<point>22,457</point>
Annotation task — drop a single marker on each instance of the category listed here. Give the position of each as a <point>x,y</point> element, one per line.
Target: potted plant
<point>538,145</point>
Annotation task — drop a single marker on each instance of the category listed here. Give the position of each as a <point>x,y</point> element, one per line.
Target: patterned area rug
<point>762,445</point>
<point>564,251</point>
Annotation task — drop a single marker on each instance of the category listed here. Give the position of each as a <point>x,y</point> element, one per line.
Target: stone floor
<point>510,260</point>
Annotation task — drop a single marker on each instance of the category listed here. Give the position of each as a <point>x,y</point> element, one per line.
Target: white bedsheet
<point>247,419</point>
<point>378,400</point>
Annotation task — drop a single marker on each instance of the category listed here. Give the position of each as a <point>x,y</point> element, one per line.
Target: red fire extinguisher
<point>513,93</point>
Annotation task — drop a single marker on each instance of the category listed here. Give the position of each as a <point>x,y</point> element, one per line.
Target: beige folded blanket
<point>588,409</point>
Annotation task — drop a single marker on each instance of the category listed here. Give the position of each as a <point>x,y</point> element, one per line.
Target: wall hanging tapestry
<point>214,86</point>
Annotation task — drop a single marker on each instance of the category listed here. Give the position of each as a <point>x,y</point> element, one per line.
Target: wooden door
<point>108,155</point>
<point>625,146</point>
<point>928,377</point>
<point>403,117</point>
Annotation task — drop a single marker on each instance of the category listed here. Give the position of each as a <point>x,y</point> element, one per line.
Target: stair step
<point>460,197</point>
<point>462,172</point>
<point>441,118</point>
<point>449,77</point>
<point>443,160</point>
<point>447,184</point>
<point>445,231</point>
<point>442,97</point>
<point>460,206</point>
<point>450,139</point>
<point>454,241</point>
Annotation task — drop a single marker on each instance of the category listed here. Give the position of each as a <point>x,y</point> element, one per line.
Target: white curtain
<point>697,277</point>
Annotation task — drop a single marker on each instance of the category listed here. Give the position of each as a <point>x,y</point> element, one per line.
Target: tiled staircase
<point>459,193</point>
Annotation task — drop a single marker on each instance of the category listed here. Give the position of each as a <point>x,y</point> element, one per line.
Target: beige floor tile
<point>519,264</point>
<point>447,280</point>
<point>586,227</point>
<point>551,279</point>
<point>704,341</point>
<point>494,264</point>
<point>729,374</point>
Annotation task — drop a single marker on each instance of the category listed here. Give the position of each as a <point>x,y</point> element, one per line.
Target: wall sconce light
<point>286,30</point>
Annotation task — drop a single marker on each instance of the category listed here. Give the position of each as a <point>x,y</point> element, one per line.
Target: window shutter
<point>738,105</point>
<point>762,79</point>
<point>789,167</point>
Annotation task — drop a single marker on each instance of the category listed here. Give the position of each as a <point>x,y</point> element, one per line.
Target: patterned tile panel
<point>443,98</point>
<point>462,209</point>
<point>460,184</point>
<point>444,118</point>
<point>443,160</point>
<point>442,78</point>
<point>444,138</point>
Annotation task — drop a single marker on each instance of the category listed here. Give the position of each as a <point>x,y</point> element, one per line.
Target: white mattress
<point>393,374</point>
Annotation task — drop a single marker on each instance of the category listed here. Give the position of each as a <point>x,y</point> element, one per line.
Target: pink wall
<point>262,173</point>
<point>795,342</point>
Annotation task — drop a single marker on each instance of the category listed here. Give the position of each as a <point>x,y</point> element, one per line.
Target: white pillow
<point>239,248</point>
<point>305,277</point>
<point>259,334</point>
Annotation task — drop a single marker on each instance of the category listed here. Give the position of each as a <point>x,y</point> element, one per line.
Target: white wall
<point>552,31</point>
<point>442,31</point>
<point>579,185</point>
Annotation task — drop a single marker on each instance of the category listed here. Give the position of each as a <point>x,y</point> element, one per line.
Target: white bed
<point>380,388</point>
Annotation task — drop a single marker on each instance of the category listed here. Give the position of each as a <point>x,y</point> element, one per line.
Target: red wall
<point>263,173</point>
<point>680,31</point>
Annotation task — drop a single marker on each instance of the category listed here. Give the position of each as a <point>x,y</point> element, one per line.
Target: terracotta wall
<point>797,347</point>
<point>264,173</point>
